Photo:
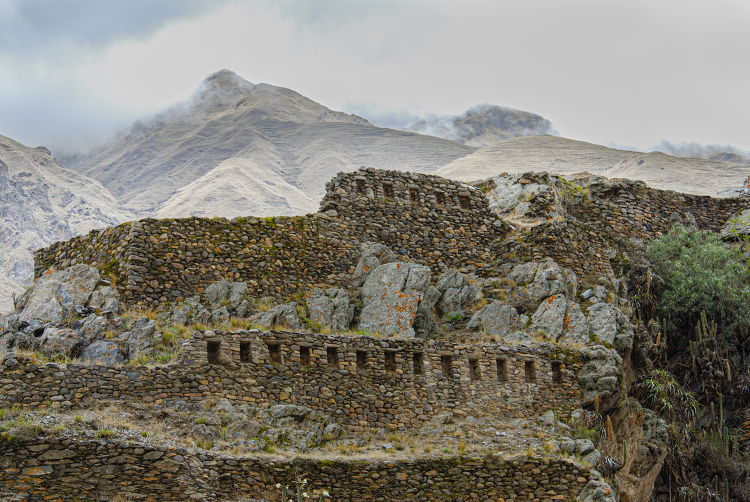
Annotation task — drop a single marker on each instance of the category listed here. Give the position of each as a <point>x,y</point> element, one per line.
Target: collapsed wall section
<point>50,468</point>
<point>365,383</point>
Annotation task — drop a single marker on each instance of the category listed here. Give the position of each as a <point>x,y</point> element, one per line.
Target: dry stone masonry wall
<point>51,469</point>
<point>158,261</point>
<point>364,383</point>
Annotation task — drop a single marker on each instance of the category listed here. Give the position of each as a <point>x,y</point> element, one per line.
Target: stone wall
<point>50,469</point>
<point>432,220</point>
<point>626,208</point>
<point>363,383</point>
<point>157,261</point>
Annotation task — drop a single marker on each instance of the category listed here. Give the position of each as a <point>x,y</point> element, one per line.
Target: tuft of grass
<point>105,433</point>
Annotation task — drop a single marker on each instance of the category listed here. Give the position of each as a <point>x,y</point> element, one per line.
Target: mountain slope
<point>566,156</point>
<point>42,202</point>
<point>273,132</point>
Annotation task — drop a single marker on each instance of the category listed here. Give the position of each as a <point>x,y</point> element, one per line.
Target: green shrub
<point>698,272</point>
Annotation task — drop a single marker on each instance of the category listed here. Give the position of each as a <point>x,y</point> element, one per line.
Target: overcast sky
<point>631,73</point>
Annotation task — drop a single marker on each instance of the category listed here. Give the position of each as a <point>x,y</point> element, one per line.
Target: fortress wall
<point>432,220</point>
<point>626,208</point>
<point>363,383</point>
<point>157,261</point>
<point>50,469</point>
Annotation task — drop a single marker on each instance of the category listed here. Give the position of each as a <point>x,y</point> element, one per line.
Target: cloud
<point>35,27</point>
<point>600,71</point>
<point>697,150</point>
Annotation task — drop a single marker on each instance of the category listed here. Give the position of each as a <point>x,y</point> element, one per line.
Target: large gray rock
<point>456,289</point>
<point>373,256</point>
<point>65,342</point>
<point>562,321</point>
<point>497,318</point>
<point>289,410</point>
<point>19,340</point>
<point>425,323</point>
<point>56,289</point>
<point>283,316</point>
<point>736,227</point>
<point>225,294</point>
<point>391,297</point>
<point>93,328</point>
<point>140,340</point>
<point>330,308</point>
<point>597,490</point>
<point>537,281</point>
<point>576,329</point>
<point>105,299</point>
<point>220,316</point>
<point>610,325</point>
<point>104,352</point>
<point>10,323</point>
<point>549,318</point>
<point>601,372</point>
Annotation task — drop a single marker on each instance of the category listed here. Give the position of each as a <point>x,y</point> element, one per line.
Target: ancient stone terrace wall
<point>53,469</point>
<point>362,382</point>
<point>158,261</point>
<point>626,208</point>
<point>433,220</point>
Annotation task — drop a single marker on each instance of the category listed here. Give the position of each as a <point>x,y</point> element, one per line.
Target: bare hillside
<point>567,156</point>
<point>42,202</point>
<point>291,145</point>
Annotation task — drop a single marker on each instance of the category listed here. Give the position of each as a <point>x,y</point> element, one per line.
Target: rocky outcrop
<point>140,339</point>
<point>391,296</point>
<point>57,289</point>
<point>497,318</point>
<point>373,256</point>
<point>281,316</point>
<point>330,308</point>
<point>601,374</point>
<point>456,290</point>
<point>537,281</point>
<point>737,227</point>
<point>225,293</point>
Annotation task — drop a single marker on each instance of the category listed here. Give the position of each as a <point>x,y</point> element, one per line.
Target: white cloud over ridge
<point>633,73</point>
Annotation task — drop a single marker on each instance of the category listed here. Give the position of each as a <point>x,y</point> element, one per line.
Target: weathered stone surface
<point>330,308</point>
<point>737,227</point>
<point>576,329</point>
<point>140,341</point>
<point>102,352</point>
<point>603,321</point>
<point>391,297</point>
<point>225,294</point>
<point>220,316</point>
<point>548,279</point>
<point>597,490</point>
<point>373,256</point>
<point>105,299</point>
<point>56,289</point>
<point>425,323</point>
<point>601,373</point>
<point>284,315</point>
<point>93,328</point>
<point>289,410</point>
<point>64,342</point>
<point>497,318</point>
<point>456,289</point>
<point>550,316</point>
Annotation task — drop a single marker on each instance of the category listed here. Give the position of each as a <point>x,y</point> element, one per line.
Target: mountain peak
<point>221,87</point>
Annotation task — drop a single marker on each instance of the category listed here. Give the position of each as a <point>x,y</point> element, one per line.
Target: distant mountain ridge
<point>484,125</point>
<point>282,145</point>
<point>42,202</point>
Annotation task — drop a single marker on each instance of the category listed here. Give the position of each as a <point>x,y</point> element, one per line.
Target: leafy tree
<point>698,272</point>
